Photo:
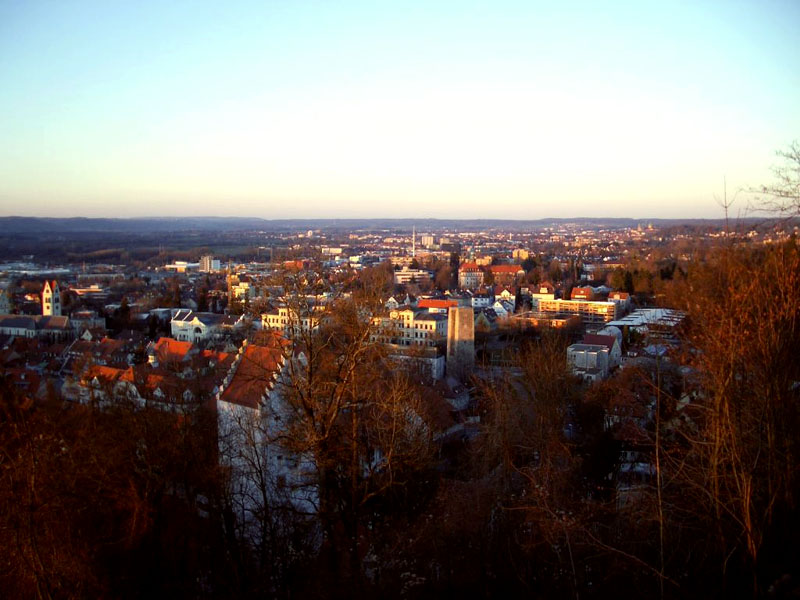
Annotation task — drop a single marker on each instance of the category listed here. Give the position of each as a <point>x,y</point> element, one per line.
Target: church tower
<point>51,299</point>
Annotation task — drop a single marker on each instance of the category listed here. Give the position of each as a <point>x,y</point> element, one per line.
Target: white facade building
<point>209,264</point>
<point>189,326</point>
<point>589,361</point>
<point>407,275</point>
<point>407,327</point>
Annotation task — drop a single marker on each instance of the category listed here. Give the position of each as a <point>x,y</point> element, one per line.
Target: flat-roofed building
<point>592,313</point>
<point>589,361</point>
<point>407,275</point>
<point>209,264</point>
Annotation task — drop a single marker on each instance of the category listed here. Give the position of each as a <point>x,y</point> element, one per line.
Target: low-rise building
<point>591,362</point>
<point>52,328</point>
<point>190,326</point>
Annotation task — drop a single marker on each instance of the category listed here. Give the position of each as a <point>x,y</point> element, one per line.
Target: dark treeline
<point>130,503</point>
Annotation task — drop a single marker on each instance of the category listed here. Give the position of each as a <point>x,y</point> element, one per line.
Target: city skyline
<point>271,110</point>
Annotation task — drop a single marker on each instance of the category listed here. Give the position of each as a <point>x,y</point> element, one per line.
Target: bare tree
<point>744,312</point>
<point>783,195</point>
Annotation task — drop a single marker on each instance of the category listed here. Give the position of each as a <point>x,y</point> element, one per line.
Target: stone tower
<point>51,299</point>
<point>460,341</point>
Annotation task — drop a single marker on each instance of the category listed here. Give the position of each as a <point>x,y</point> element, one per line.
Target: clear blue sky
<point>376,109</point>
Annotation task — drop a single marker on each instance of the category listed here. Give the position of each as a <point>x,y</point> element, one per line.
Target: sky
<point>293,109</point>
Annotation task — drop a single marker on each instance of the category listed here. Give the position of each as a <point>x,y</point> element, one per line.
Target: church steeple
<point>51,299</point>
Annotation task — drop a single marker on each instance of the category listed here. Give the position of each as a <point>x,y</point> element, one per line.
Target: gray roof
<point>430,317</point>
<point>17,321</point>
<point>587,348</point>
<point>52,322</point>
<point>36,322</point>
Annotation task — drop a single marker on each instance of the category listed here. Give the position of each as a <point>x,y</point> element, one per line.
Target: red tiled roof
<point>103,373</point>
<point>511,269</point>
<point>499,289</point>
<point>601,340</point>
<point>436,303</point>
<point>254,375</point>
<point>169,348</point>
<point>582,292</point>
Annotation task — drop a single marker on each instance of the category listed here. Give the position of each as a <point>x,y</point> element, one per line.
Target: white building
<point>470,276</point>
<point>429,360</point>
<point>654,323</point>
<point>244,290</point>
<point>189,326</point>
<point>181,266</point>
<point>503,308</point>
<point>209,264</point>
<point>407,275</point>
<point>291,322</point>
<point>482,300</point>
<point>589,361</point>
<point>252,421</point>
<point>408,327</point>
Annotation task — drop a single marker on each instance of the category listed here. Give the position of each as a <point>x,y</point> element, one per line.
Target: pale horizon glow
<point>444,110</point>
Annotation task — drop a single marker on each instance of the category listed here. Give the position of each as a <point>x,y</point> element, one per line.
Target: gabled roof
<point>255,375</point>
<point>17,321</point>
<point>169,349</point>
<point>582,292</point>
<point>499,289</point>
<point>103,373</point>
<point>209,319</point>
<point>183,314</point>
<point>423,316</point>
<point>436,303</point>
<point>600,340</point>
<point>509,269</point>
<point>52,322</point>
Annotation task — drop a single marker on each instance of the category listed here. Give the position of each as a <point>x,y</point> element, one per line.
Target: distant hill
<point>33,225</point>
<point>26,225</point>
